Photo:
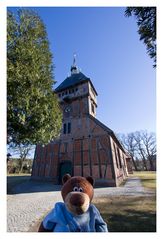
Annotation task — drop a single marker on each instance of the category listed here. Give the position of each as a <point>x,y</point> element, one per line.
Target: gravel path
<point>33,199</point>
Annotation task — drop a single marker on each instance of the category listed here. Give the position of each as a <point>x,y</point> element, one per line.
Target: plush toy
<point>76,214</point>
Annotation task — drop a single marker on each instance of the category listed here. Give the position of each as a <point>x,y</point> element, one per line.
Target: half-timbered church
<point>85,146</point>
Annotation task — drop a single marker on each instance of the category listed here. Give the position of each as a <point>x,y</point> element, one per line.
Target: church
<point>85,146</point>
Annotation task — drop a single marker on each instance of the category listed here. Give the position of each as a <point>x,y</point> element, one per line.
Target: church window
<point>120,163</point>
<point>59,95</point>
<point>63,94</point>
<point>69,128</point>
<point>92,106</point>
<point>124,160</point>
<point>115,153</point>
<point>64,128</point>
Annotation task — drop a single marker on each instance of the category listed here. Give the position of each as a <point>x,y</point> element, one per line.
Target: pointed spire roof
<point>74,79</point>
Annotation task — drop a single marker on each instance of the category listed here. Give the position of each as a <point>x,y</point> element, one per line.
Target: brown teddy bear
<point>76,214</point>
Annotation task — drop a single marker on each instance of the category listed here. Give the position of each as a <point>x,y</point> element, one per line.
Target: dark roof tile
<point>72,80</point>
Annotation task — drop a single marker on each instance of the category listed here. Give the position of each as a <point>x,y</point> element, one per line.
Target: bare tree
<point>149,143</point>
<point>22,151</point>
<point>128,141</point>
<point>146,148</point>
<point>142,147</point>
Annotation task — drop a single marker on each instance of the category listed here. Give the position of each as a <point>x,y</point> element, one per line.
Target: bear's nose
<point>77,200</point>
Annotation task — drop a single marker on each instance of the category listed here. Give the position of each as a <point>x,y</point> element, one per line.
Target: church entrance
<point>65,167</point>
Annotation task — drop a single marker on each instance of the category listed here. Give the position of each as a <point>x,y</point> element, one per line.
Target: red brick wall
<point>95,145</point>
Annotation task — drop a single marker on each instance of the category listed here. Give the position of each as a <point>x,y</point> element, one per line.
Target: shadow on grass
<point>128,213</point>
<point>24,184</point>
<point>148,179</point>
<point>134,221</point>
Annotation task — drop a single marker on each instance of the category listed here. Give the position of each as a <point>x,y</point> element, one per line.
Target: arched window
<point>119,158</point>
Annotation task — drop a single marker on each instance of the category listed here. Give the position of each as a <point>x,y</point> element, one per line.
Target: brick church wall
<point>89,148</point>
<point>89,156</point>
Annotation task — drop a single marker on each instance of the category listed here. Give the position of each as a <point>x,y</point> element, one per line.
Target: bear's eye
<point>75,189</point>
<point>80,190</point>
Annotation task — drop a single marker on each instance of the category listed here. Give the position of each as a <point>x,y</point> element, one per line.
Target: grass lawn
<point>16,179</point>
<point>148,179</point>
<point>127,213</point>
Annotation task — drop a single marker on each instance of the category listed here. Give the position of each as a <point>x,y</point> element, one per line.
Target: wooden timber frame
<point>85,145</point>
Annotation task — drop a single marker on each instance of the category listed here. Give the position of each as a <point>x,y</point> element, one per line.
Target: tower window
<point>64,128</point>
<point>69,128</point>
<point>92,106</point>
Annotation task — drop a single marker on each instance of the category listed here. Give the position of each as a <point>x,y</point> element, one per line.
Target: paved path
<point>33,200</point>
<point>132,187</point>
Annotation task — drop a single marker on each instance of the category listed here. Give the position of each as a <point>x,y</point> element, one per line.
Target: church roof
<point>74,79</point>
<point>108,130</point>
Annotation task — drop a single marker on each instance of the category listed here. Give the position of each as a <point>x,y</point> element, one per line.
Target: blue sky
<point>110,53</point>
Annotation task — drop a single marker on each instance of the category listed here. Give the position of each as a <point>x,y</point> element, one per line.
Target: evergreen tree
<point>146,21</point>
<point>33,113</point>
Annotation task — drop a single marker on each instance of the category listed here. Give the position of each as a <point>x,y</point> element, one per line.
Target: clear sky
<point>110,53</point>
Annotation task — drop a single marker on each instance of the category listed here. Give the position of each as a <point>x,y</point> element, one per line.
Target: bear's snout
<point>77,202</point>
<point>77,199</point>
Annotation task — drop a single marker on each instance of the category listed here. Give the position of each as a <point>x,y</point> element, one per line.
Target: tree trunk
<point>21,160</point>
<point>144,163</point>
<point>134,163</point>
<point>151,163</point>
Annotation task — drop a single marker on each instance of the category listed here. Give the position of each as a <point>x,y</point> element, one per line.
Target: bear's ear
<point>90,180</point>
<point>65,178</point>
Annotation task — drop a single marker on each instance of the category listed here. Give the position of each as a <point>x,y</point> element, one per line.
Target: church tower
<point>77,97</point>
<point>85,146</point>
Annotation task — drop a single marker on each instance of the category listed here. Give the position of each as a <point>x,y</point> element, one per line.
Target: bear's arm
<point>42,228</point>
<point>100,225</point>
